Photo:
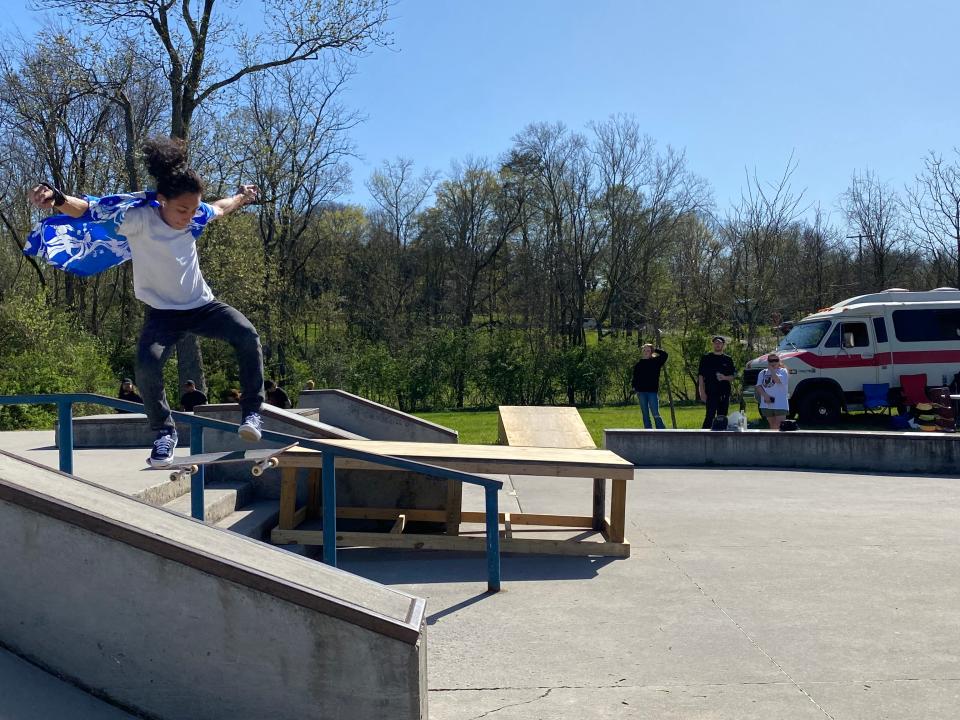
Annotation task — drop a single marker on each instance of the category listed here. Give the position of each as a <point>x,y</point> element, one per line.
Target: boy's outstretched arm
<point>245,195</point>
<point>47,197</point>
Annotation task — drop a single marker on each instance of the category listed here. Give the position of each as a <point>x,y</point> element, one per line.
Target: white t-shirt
<point>776,390</point>
<point>166,269</point>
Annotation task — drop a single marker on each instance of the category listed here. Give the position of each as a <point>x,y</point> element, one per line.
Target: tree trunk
<point>190,363</point>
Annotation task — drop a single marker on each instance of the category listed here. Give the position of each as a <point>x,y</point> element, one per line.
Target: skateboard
<point>262,459</point>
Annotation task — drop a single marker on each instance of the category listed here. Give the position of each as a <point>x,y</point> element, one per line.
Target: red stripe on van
<point>926,356</point>
<point>912,357</point>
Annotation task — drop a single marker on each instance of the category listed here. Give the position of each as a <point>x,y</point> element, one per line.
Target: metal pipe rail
<point>65,402</point>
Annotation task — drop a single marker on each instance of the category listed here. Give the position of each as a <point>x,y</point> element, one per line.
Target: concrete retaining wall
<point>888,452</point>
<point>372,420</point>
<point>174,619</point>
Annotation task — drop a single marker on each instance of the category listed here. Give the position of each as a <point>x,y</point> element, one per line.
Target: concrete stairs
<point>229,504</point>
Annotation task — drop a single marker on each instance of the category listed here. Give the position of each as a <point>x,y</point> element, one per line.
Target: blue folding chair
<point>876,396</point>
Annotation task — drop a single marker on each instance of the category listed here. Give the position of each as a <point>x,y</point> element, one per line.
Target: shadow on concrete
<point>437,616</point>
<point>400,567</point>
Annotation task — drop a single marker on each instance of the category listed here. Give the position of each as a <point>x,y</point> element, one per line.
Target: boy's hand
<point>250,194</point>
<point>46,197</point>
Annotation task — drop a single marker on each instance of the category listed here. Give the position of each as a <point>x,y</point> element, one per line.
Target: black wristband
<point>58,197</point>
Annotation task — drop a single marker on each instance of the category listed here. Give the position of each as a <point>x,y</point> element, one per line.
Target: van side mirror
<point>848,340</point>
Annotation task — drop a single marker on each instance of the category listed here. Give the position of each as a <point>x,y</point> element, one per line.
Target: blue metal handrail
<point>65,402</point>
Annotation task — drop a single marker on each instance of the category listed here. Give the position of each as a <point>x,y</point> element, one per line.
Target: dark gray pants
<point>162,329</point>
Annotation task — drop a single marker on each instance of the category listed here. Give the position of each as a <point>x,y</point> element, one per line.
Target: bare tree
<point>199,48</point>
<point>933,205</point>
<point>291,137</point>
<point>756,233</point>
<point>562,226</point>
<point>400,193</point>
<point>643,197</point>
<point>817,265</point>
<point>873,211</point>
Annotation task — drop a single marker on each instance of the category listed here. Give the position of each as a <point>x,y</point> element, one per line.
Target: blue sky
<point>843,86</point>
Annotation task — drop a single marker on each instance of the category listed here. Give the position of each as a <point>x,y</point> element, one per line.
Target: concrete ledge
<point>118,430</point>
<point>371,419</point>
<point>888,452</point>
<point>219,440</point>
<point>172,618</point>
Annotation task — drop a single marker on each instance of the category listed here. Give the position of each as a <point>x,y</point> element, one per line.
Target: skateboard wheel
<point>256,471</point>
<point>273,462</point>
<point>174,475</point>
<point>194,469</point>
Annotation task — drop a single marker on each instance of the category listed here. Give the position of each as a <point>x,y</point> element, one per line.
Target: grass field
<point>480,426</point>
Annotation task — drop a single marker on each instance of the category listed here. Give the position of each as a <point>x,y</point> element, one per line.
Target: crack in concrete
<point>660,686</point>
<point>739,627</point>
<point>510,705</point>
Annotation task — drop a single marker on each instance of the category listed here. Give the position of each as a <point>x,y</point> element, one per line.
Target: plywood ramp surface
<point>481,458</point>
<point>543,426</point>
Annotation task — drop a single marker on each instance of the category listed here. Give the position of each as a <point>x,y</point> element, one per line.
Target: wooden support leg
<point>618,510</point>
<point>288,498</point>
<point>454,506</point>
<point>507,526</point>
<point>599,502</point>
<point>313,504</point>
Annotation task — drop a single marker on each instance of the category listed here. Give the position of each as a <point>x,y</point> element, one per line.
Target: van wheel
<point>820,407</point>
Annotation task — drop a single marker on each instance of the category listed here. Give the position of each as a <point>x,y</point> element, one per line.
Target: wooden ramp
<point>543,426</point>
<point>560,463</point>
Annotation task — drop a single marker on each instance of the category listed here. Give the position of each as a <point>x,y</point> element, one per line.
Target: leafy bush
<point>44,350</point>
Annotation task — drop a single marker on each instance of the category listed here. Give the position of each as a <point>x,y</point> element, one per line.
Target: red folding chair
<point>913,389</point>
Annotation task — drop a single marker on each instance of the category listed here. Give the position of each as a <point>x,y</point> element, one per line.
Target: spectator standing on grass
<point>646,383</point>
<point>772,390</point>
<point>713,381</point>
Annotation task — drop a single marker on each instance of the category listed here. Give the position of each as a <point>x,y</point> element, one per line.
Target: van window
<point>934,325</point>
<point>804,335</point>
<point>857,329</point>
<point>880,329</point>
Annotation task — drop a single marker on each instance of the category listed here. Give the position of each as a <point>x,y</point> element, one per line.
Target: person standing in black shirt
<point>128,392</point>
<point>276,395</point>
<point>713,381</point>
<point>646,383</point>
<point>191,396</point>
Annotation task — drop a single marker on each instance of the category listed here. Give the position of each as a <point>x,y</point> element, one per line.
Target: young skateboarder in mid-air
<point>161,229</point>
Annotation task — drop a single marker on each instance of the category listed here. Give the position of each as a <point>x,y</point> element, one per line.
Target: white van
<point>874,338</point>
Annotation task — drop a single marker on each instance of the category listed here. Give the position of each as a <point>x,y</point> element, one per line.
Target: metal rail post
<point>196,480</point>
<point>65,422</point>
<point>329,509</point>
<point>493,539</point>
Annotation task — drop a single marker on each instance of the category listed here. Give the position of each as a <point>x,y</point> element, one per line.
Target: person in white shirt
<point>167,278</point>
<point>772,390</point>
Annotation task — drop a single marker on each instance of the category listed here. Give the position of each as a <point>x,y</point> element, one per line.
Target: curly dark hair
<point>166,160</point>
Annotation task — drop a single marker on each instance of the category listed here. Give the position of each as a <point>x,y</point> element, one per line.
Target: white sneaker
<point>163,447</point>
<point>250,427</point>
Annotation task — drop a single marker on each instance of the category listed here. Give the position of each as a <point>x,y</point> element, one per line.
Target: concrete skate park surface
<point>750,594</point>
